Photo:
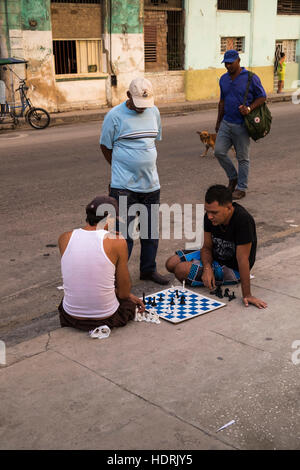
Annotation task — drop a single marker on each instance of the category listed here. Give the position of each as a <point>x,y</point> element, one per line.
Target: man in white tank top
<point>95,272</point>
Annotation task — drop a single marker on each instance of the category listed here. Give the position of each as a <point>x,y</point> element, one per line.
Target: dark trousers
<point>146,205</point>
<point>121,317</point>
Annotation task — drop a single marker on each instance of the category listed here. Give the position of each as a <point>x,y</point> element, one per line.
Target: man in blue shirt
<point>127,142</point>
<point>230,125</point>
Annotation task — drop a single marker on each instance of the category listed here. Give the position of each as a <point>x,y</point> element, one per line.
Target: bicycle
<point>38,118</point>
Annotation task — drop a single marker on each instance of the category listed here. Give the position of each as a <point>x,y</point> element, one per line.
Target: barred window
<point>233,5</point>
<point>288,47</point>
<point>237,43</point>
<point>288,7</point>
<point>75,56</point>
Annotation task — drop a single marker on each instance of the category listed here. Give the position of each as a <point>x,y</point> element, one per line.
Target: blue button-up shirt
<point>233,92</point>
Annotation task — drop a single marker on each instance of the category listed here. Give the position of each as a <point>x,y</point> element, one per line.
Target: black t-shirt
<point>240,231</point>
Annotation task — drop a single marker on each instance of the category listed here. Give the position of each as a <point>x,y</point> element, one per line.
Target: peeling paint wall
<point>124,41</point>
<point>28,36</point>
<point>37,47</point>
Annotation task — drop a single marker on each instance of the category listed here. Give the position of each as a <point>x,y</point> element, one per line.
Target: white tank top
<point>88,276</point>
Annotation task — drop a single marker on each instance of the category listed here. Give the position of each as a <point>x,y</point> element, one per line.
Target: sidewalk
<point>165,109</point>
<point>166,386</point>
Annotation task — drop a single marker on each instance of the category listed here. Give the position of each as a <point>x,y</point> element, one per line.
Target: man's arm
<point>242,255</point>
<point>63,241</point>
<point>221,112</point>
<point>244,110</point>
<point>208,277</point>
<point>123,283</point>
<point>107,153</point>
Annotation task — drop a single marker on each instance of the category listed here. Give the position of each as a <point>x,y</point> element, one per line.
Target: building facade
<point>84,53</point>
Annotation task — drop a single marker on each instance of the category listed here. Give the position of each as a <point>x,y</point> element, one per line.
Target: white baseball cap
<point>142,92</point>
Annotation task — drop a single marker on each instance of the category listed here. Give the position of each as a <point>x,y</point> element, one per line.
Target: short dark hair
<point>218,193</point>
<point>282,54</point>
<point>108,204</point>
<point>92,219</point>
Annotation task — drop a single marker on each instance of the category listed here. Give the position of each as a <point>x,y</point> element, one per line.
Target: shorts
<point>125,313</point>
<point>223,274</point>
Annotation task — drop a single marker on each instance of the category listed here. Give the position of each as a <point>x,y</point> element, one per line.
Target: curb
<point>58,119</point>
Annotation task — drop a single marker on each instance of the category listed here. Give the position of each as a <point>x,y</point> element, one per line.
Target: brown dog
<point>208,139</point>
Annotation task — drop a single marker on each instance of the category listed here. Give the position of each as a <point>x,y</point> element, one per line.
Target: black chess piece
<point>154,304</point>
<point>177,294</point>
<point>160,298</point>
<point>172,301</point>
<point>219,292</point>
<point>226,292</point>
<point>182,300</point>
<point>231,296</point>
<point>144,297</point>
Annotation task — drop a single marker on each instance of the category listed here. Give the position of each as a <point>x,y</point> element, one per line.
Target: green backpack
<point>258,121</point>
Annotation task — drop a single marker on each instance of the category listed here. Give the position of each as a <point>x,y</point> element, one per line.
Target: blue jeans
<point>234,134</point>
<point>149,224</point>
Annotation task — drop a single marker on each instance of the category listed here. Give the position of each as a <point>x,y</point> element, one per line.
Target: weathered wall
<point>80,94</point>
<point>76,21</point>
<point>124,41</point>
<point>37,47</point>
<point>167,86</point>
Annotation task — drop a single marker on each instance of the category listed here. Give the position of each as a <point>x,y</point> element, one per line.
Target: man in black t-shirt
<point>229,248</point>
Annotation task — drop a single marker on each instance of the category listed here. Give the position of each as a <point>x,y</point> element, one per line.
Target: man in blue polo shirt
<point>230,123</point>
<point>128,136</point>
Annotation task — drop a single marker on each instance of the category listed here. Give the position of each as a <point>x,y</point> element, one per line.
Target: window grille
<point>77,1</point>
<point>175,40</point>
<point>150,38</point>
<point>233,5</point>
<point>237,43</point>
<point>288,47</point>
<point>288,7</point>
<point>77,56</point>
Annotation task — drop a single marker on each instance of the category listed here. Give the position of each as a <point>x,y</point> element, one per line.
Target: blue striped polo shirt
<point>132,137</point>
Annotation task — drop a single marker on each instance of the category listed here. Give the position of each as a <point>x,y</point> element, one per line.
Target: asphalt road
<point>49,176</point>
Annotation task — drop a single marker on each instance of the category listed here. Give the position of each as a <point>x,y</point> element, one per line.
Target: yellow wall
<point>204,84</point>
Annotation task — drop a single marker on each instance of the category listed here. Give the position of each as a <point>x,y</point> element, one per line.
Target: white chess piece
<point>136,314</point>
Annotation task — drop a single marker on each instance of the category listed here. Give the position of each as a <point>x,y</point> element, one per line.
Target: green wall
<point>36,10</point>
<point>126,16</point>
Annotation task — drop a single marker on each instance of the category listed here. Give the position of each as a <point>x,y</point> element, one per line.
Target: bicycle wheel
<point>38,118</point>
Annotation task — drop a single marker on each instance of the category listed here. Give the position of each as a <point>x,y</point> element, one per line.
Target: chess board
<point>195,304</point>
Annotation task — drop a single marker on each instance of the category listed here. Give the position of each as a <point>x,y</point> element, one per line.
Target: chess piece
<point>226,292</point>
<point>136,314</point>
<point>219,292</point>
<point>183,286</point>
<point>154,304</point>
<point>231,296</point>
<point>143,297</point>
<point>182,300</point>
<point>172,301</point>
<point>160,298</point>
<point>177,294</point>
<point>149,300</point>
